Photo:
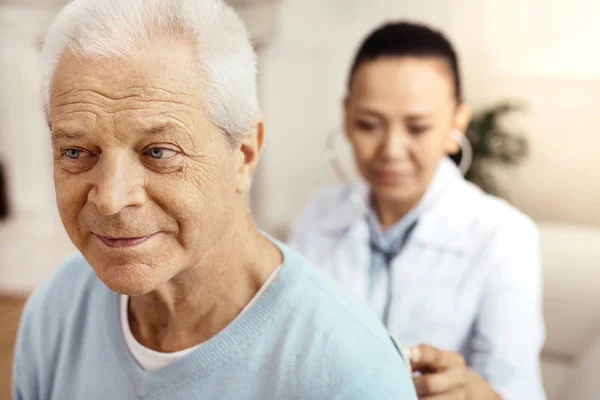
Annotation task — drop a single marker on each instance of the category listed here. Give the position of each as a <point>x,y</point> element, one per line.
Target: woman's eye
<point>366,126</point>
<point>160,153</point>
<point>417,129</point>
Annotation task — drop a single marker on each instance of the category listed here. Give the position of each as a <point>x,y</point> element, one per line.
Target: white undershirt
<point>152,360</point>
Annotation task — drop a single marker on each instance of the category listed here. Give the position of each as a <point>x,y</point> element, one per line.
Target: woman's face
<point>400,116</point>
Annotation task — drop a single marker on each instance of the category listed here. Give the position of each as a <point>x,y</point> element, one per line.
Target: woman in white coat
<point>451,271</point>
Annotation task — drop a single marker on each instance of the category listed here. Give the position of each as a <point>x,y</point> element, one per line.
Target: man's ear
<point>249,149</point>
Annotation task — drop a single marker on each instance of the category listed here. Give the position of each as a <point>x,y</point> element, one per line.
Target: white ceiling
<point>35,3</point>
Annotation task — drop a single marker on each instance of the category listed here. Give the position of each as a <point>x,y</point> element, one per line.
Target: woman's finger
<point>427,357</point>
<point>440,383</point>
<point>454,395</point>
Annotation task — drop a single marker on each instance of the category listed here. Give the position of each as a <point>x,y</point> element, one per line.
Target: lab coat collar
<point>431,228</point>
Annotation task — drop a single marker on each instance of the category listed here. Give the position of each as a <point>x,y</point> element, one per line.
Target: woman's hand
<point>445,376</point>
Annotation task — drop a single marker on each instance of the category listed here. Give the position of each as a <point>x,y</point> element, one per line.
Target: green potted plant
<point>494,143</point>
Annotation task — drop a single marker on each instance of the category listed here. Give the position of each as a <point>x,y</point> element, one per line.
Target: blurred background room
<point>531,71</point>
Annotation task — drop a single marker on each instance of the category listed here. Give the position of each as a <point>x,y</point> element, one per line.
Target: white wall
<point>541,51</point>
<point>548,57</point>
<point>33,241</point>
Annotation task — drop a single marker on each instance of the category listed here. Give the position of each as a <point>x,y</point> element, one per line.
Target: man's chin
<point>129,279</point>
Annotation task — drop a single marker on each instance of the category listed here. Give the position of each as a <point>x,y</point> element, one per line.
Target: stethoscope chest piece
<point>404,352</point>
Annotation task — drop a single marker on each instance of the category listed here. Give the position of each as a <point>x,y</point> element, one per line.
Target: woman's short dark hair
<point>407,39</point>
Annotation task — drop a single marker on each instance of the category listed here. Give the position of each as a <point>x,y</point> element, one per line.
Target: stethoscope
<point>361,207</point>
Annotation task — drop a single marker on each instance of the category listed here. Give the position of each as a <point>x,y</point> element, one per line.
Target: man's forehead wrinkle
<point>77,92</point>
<point>168,91</point>
<point>59,95</point>
<point>82,116</point>
<point>138,102</point>
<point>156,117</point>
<point>156,121</point>
<point>144,103</point>
<point>125,92</point>
<point>72,102</point>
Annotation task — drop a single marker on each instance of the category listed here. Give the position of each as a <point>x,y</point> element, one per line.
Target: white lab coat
<point>467,280</point>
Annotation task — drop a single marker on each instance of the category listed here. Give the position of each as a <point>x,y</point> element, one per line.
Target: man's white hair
<point>112,28</point>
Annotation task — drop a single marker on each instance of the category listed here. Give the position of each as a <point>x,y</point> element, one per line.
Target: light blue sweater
<point>303,339</point>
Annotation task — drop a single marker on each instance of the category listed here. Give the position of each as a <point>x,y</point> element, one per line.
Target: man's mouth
<point>123,242</point>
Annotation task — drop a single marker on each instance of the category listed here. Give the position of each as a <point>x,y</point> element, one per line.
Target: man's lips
<point>123,242</point>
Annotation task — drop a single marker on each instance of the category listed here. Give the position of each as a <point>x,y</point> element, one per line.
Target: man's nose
<point>118,183</point>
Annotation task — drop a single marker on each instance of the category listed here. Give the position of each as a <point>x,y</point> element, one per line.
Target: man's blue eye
<point>161,153</point>
<point>156,152</point>
<point>73,153</point>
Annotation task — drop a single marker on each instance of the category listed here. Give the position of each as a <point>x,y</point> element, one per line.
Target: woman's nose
<point>395,145</point>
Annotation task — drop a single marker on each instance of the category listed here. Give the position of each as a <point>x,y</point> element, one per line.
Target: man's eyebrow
<point>160,128</point>
<point>62,134</point>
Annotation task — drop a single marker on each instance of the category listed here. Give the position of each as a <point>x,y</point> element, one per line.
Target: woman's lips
<point>392,177</point>
<point>123,242</point>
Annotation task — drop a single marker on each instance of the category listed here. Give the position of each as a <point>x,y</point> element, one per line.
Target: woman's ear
<point>462,118</point>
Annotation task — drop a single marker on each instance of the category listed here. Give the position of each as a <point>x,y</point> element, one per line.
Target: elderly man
<point>156,133</point>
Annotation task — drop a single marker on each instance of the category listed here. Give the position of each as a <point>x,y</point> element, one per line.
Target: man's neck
<point>199,302</point>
